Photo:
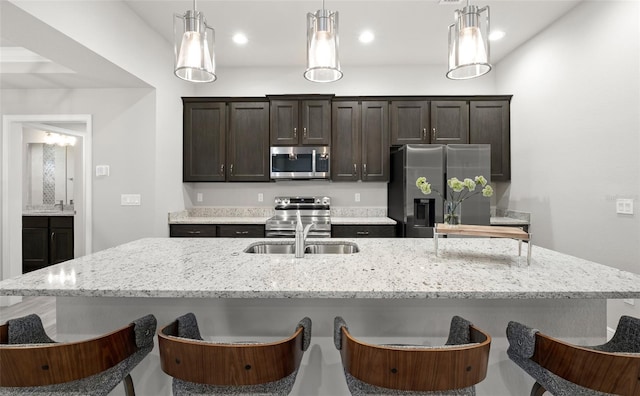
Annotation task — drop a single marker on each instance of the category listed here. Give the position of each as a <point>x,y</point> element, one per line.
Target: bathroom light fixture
<point>468,44</point>
<point>323,63</point>
<point>193,47</point>
<point>60,140</point>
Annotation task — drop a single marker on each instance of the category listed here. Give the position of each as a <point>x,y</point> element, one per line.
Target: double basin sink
<point>329,247</point>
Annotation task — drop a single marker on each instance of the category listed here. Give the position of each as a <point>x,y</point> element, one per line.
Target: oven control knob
<point>285,201</point>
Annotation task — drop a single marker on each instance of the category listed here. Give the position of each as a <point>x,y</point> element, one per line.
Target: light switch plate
<point>130,199</point>
<point>102,170</point>
<point>624,206</point>
<point>199,197</point>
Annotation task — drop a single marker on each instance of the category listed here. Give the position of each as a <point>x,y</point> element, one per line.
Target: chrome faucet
<point>301,236</point>
<point>61,205</point>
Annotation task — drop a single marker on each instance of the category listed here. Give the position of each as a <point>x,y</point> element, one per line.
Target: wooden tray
<point>485,231</point>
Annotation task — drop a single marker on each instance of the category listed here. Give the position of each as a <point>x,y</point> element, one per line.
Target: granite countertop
<point>48,213</point>
<point>477,268</point>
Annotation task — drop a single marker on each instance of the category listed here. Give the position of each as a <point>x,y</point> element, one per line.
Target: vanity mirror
<point>49,174</point>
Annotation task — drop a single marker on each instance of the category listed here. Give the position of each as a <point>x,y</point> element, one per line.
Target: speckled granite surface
<point>384,268</point>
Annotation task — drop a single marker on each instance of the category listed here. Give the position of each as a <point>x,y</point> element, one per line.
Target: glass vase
<point>453,213</point>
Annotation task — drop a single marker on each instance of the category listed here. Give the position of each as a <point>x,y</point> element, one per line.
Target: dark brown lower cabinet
<point>363,231</point>
<point>216,230</point>
<point>46,240</point>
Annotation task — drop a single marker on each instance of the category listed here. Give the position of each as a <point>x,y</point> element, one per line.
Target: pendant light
<point>323,63</point>
<point>469,44</point>
<point>193,47</point>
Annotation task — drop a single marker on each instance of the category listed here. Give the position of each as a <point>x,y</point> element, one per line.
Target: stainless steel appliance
<point>417,213</point>
<point>313,210</point>
<point>301,162</point>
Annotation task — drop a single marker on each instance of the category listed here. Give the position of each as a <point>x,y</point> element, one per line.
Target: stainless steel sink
<point>329,247</point>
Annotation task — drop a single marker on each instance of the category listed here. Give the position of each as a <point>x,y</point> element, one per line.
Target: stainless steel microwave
<point>300,162</point>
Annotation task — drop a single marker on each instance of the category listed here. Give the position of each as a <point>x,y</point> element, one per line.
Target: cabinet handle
<point>355,169</point>
<point>53,236</point>
<point>193,232</point>
<point>231,169</point>
<point>364,169</point>
<point>242,232</point>
<point>424,134</point>
<point>362,232</point>
<point>433,135</point>
<point>304,132</point>
<point>295,132</point>
<point>222,169</point>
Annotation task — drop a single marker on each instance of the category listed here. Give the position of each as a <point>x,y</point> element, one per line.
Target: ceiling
<point>412,32</point>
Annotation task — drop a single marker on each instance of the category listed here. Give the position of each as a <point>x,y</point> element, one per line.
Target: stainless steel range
<point>314,210</point>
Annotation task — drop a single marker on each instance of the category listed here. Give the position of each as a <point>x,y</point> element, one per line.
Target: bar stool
<point>208,368</point>
<point>33,363</point>
<point>565,369</point>
<point>452,369</point>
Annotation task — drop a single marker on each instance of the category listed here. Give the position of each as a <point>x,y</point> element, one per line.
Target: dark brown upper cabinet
<point>360,141</point>
<point>490,124</point>
<point>225,140</point>
<point>248,147</point>
<point>410,122</point>
<point>204,132</point>
<point>449,122</point>
<point>296,122</point>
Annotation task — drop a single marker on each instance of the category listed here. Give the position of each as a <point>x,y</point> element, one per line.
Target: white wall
<point>575,134</point>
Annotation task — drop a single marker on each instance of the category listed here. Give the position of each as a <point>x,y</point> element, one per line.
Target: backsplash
<point>213,211</point>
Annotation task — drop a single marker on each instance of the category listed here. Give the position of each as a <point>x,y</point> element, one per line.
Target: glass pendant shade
<point>193,47</point>
<point>323,63</point>
<point>469,44</point>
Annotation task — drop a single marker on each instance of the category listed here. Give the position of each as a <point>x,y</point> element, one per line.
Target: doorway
<point>13,150</point>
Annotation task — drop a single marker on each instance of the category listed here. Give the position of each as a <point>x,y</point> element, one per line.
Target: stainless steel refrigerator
<point>417,213</point>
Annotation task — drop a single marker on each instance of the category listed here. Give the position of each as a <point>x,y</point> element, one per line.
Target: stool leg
<point>537,390</point>
<point>128,386</point>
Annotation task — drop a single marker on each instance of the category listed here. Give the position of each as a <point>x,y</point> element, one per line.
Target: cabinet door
<point>248,147</point>
<point>345,141</point>
<point>241,231</point>
<point>489,124</point>
<point>35,243</point>
<point>363,231</point>
<point>375,141</point>
<point>449,122</point>
<point>60,239</point>
<point>316,122</point>
<point>192,230</point>
<point>204,128</point>
<point>409,122</point>
<point>284,122</point>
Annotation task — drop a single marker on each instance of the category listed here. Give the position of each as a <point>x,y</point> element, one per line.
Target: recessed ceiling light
<point>366,37</point>
<point>240,39</point>
<point>496,35</point>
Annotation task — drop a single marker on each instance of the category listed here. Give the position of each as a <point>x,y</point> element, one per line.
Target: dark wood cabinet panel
<point>216,230</point>
<point>241,231</point>
<point>375,141</point>
<point>248,143</point>
<point>193,230</point>
<point>363,231</point>
<point>489,124</point>
<point>46,240</point>
<point>450,122</point>
<point>410,122</point>
<point>360,141</point>
<point>204,130</point>
<point>345,146</point>
<point>300,122</point>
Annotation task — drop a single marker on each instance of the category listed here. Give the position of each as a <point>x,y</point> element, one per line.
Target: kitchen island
<point>392,290</point>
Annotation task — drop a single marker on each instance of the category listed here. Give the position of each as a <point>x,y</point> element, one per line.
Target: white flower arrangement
<point>460,190</point>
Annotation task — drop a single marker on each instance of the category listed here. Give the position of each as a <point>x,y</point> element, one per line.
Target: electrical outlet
<point>199,197</point>
<point>629,301</point>
<point>624,206</point>
<point>130,199</point>
<point>260,197</point>
<point>357,197</point>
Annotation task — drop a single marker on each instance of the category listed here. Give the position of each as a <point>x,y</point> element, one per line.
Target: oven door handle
<point>279,234</point>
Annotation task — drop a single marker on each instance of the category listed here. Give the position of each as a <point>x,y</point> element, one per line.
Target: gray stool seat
<point>34,364</point>
<point>572,370</point>
<point>201,367</point>
<point>388,370</point>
